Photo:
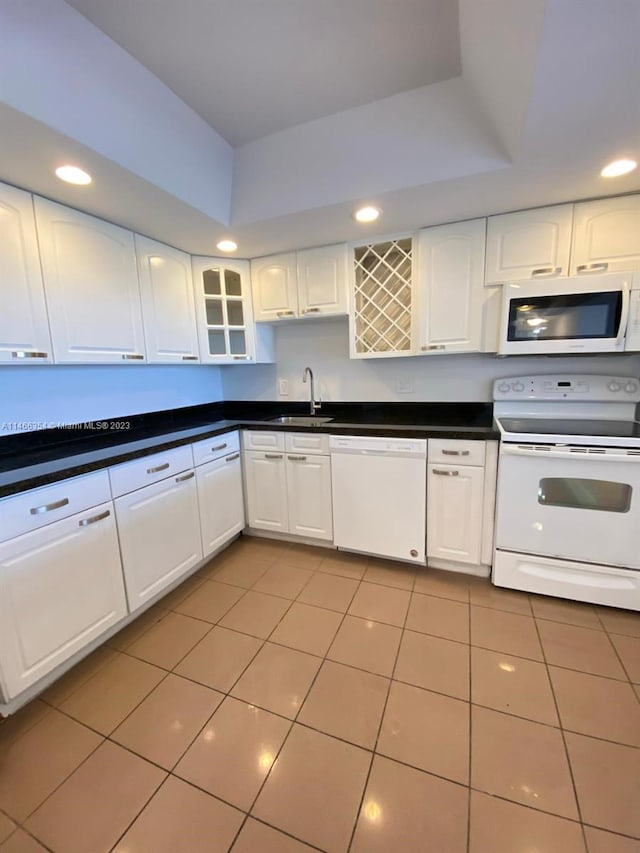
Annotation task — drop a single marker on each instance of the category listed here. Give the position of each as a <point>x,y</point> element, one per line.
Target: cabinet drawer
<point>133,475</point>
<point>262,440</point>
<point>213,448</point>
<point>456,451</point>
<point>306,442</point>
<point>33,509</point>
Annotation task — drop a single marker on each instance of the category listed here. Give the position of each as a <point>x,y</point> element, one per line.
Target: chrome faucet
<point>313,406</point>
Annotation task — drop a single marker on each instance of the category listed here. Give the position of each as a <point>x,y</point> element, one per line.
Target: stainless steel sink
<point>300,420</point>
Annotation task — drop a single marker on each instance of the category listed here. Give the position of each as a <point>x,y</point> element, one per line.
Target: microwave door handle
<point>624,315</point>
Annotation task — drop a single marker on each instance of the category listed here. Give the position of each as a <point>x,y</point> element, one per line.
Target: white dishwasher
<point>379,489</point>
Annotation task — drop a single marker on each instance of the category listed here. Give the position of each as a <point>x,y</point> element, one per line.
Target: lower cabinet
<point>221,501</point>
<point>159,530</point>
<point>60,588</point>
<point>266,480</point>
<point>309,496</point>
<point>454,516</point>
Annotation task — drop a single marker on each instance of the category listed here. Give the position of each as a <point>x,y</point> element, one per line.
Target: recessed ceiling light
<point>618,167</point>
<point>367,214</point>
<point>227,245</point>
<point>73,175</point>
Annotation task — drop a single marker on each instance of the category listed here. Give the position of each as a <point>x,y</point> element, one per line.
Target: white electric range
<point>568,499</point>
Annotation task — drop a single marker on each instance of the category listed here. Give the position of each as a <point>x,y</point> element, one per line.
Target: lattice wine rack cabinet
<point>382,297</point>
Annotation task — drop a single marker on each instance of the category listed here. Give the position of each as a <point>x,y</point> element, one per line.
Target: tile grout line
<point>470,732</point>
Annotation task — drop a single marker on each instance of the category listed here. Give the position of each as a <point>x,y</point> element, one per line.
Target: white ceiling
<point>547,95</point>
<point>255,67</point>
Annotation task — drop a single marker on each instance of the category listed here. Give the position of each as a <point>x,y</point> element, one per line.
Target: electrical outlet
<point>403,386</point>
<point>283,387</point>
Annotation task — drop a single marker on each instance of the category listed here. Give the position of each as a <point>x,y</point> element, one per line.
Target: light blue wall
<point>49,394</point>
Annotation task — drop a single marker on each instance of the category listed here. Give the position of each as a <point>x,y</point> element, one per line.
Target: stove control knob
<point>503,387</point>
<point>613,385</point>
<point>631,387</point>
<point>518,387</point>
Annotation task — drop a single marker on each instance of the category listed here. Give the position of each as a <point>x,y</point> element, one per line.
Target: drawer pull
<point>285,313</point>
<point>38,510</point>
<point>24,354</point>
<point>85,522</point>
<point>455,452</point>
<point>544,271</point>
<point>433,347</point>
<point>157,468</point>
<point>232,458</point>
<point>310,311</point>
<point>242,358</point>
<point>603,267</point>
<point>442,473</point>
<point>185,477</point>
<point>273,455</point>
<point>132,357</point>
<point>297,458</point>
<point>218,447</point>
<point>189,357</point>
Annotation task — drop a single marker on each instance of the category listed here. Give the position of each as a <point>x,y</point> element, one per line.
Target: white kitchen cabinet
<point>322,281</point>
<point>168,311</point>
<point>309,495</point>
<point>159,532</point>
<point>266,491</point>
<point>91,286</point>
<point>454,512</point>
<point>606,235</point>
<point>60,588</point>
<point>450,291</point>
<point>221,501</point>
<point>275,288</point>
<point>226,329</point>
<point>528,244</point>
<point>24,329</point>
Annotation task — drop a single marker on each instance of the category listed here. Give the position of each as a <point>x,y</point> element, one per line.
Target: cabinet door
<point>309,496</point>
<point>168,312</point>
<point>159,532</point>
<point>450,291</point>
<point>606,235</point>
<point>221,501</point>
<point>529,244</point>
<point>60,588</point>
<point>24,330</point>
<point>275,289</point>
<point>266,491</point>
<point>322,280</point>
<point>454,513</point>
<point>91,285</point>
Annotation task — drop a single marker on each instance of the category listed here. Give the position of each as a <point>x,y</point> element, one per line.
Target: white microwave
<point>571,315</point>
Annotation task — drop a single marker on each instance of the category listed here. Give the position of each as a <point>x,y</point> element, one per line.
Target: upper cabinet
<point>24,330</point>
<point>91,285</point>
<point>381,316</point>
<point>449,287</point>
<point>300,284</point>
<point>226,330</point>
<point>606,235</point>
<point>168,311</point>
<point>529,244</point>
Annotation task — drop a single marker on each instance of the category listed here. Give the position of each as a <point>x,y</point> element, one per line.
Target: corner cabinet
<point>168,311</point>
<point>226,330</point>
<point>91,285</point>
<point>450,291</point>
<point>24,329</point>
<point>380,321</point>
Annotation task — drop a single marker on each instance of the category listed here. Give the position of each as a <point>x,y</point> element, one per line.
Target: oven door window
<point>566,317</point>
<point>582,493</point>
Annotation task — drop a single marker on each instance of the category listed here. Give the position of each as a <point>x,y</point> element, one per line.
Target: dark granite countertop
<point>32,459</point>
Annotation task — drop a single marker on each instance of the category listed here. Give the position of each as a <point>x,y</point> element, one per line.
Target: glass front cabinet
<point>226,331</point>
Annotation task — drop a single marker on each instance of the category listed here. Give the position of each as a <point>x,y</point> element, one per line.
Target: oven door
<point>576,503</point>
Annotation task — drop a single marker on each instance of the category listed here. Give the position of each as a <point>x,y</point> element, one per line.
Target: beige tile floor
<point>288,699</point>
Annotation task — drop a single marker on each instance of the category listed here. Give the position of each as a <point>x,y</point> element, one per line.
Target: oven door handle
<point>624,315</point>
<point>613,454</point>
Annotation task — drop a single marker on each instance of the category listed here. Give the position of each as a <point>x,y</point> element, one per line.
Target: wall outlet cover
<point>404,386</point>
<point>283,387</point>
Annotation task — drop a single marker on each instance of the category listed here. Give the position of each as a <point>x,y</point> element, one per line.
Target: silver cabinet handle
<point>455,452</point>
<point>242,358</point>
<point>155,470</point>
<point>132,357</point>
<point>432,347</point>
<point>310,311</point>
<point>442,473</point>
<point>85,522</point>
<point>273,455</point>
<point>285,313</point>
<point>185,477</point>
<point>218,447</point>
<point>38,510</point>
<point>543,271</point>
<point>603,267</point>
<point>232,458</point>
<point>297,458</point>
<point>25,354</point>
<point>189,357</point>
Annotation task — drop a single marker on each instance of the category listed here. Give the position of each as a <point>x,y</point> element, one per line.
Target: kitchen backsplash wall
<point>73,394</point>
<point>324,346</point>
